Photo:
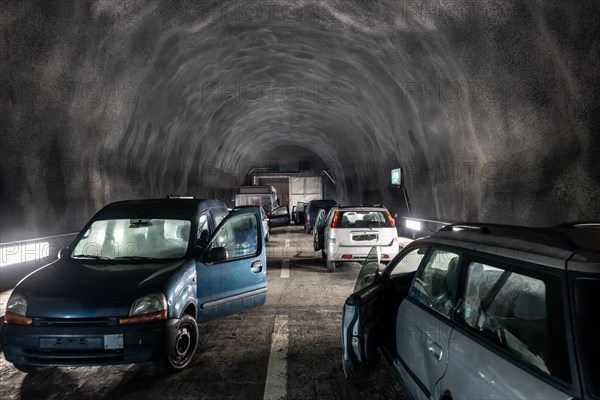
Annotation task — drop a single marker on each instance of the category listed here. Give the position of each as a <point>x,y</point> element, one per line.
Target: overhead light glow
<point>414,225</point>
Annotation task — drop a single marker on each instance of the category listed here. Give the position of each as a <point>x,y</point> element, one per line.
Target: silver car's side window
<point>434,285</point>
<point>510,309</point>
<point>480,279</point>
<point>409,263</point>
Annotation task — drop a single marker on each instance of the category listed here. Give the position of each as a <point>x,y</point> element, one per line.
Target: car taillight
<point>385,256</point>
<point>308,218</point>
<point>390,218</point>
<point>335,219</point>
<point>346,256</point>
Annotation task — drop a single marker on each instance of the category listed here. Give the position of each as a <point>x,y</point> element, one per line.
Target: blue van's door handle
<point>436,351</point>
<point>256,266</point>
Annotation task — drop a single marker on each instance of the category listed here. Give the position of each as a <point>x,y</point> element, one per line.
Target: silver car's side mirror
<point>62,253</point>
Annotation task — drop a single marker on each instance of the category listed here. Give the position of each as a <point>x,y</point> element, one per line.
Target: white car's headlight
<point>151,307</point>
<point>16,308</point>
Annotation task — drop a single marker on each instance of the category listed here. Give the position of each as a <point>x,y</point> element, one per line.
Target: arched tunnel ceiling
<point>491,107</point>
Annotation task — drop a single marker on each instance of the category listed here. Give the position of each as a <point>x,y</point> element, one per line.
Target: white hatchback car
<point>347,234</point>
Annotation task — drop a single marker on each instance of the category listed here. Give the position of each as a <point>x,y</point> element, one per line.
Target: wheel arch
<point>190,309</point>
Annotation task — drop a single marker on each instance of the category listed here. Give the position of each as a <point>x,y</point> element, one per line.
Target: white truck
<point>259,195</point>
<point>305,189</point>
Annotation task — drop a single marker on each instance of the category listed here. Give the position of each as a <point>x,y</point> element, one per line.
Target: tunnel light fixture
<point>23,252</point>
<point>413,224</point>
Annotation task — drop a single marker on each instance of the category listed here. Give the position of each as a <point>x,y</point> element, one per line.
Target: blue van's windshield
<point>122,239</point>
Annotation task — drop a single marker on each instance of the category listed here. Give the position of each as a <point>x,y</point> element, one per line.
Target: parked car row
<point>473,311</point>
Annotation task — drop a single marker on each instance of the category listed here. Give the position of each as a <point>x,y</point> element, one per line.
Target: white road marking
<point>275,387</point>
<point>287,243</point>
<point>285,268</point>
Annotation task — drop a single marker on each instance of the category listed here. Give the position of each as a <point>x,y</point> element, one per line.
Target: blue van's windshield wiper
<point>91,256</point>
<point>136,258</point>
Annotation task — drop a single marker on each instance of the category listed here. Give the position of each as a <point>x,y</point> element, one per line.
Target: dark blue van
<point>134,284</point>
<point>311,211</point>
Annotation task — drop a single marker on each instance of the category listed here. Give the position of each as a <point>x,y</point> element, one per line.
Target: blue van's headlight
<point>151,307</point>
<point>16,309</point>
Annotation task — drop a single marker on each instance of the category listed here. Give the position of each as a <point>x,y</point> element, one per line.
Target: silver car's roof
<point>552,247</point>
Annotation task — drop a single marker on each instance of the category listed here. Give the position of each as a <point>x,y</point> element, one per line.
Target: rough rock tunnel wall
<point>491,107</point>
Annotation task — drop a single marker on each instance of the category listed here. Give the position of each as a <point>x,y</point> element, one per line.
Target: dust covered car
<point>482,311</point>
<point>135,282</point>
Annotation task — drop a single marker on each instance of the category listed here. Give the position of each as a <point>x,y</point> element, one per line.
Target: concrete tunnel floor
<point>232,361</point>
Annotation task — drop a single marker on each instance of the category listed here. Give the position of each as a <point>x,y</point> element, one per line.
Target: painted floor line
<point>285,268</point>
<point>275,387</point>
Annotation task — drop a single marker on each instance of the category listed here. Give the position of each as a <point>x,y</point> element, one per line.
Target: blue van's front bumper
<point>87,342</point>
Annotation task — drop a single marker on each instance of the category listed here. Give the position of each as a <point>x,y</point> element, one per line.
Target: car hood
<point>71,289</point>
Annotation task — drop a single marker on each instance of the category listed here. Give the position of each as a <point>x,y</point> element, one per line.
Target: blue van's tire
<point>185,345</point>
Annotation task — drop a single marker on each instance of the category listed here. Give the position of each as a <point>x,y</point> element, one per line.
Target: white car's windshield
<point>123,239</point>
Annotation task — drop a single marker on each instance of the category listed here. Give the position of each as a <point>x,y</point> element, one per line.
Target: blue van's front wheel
<point>183,348</point>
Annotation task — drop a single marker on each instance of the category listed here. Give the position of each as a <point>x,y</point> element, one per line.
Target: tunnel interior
<point>491,108</point>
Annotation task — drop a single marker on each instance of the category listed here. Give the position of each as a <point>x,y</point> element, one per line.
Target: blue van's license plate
<point>70,343</point>
<point>113,341</point>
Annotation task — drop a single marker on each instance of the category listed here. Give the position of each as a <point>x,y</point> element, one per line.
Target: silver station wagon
<point>483,311</point>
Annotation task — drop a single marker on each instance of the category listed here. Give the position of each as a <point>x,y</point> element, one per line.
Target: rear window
<point>363,219</point>
<point>587,298</point>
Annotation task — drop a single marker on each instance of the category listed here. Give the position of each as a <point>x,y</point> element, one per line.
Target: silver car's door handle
<point>436,351</point>
<point>256,266</point>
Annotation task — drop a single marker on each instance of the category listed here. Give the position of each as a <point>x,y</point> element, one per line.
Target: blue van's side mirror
<point>216,254</point>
